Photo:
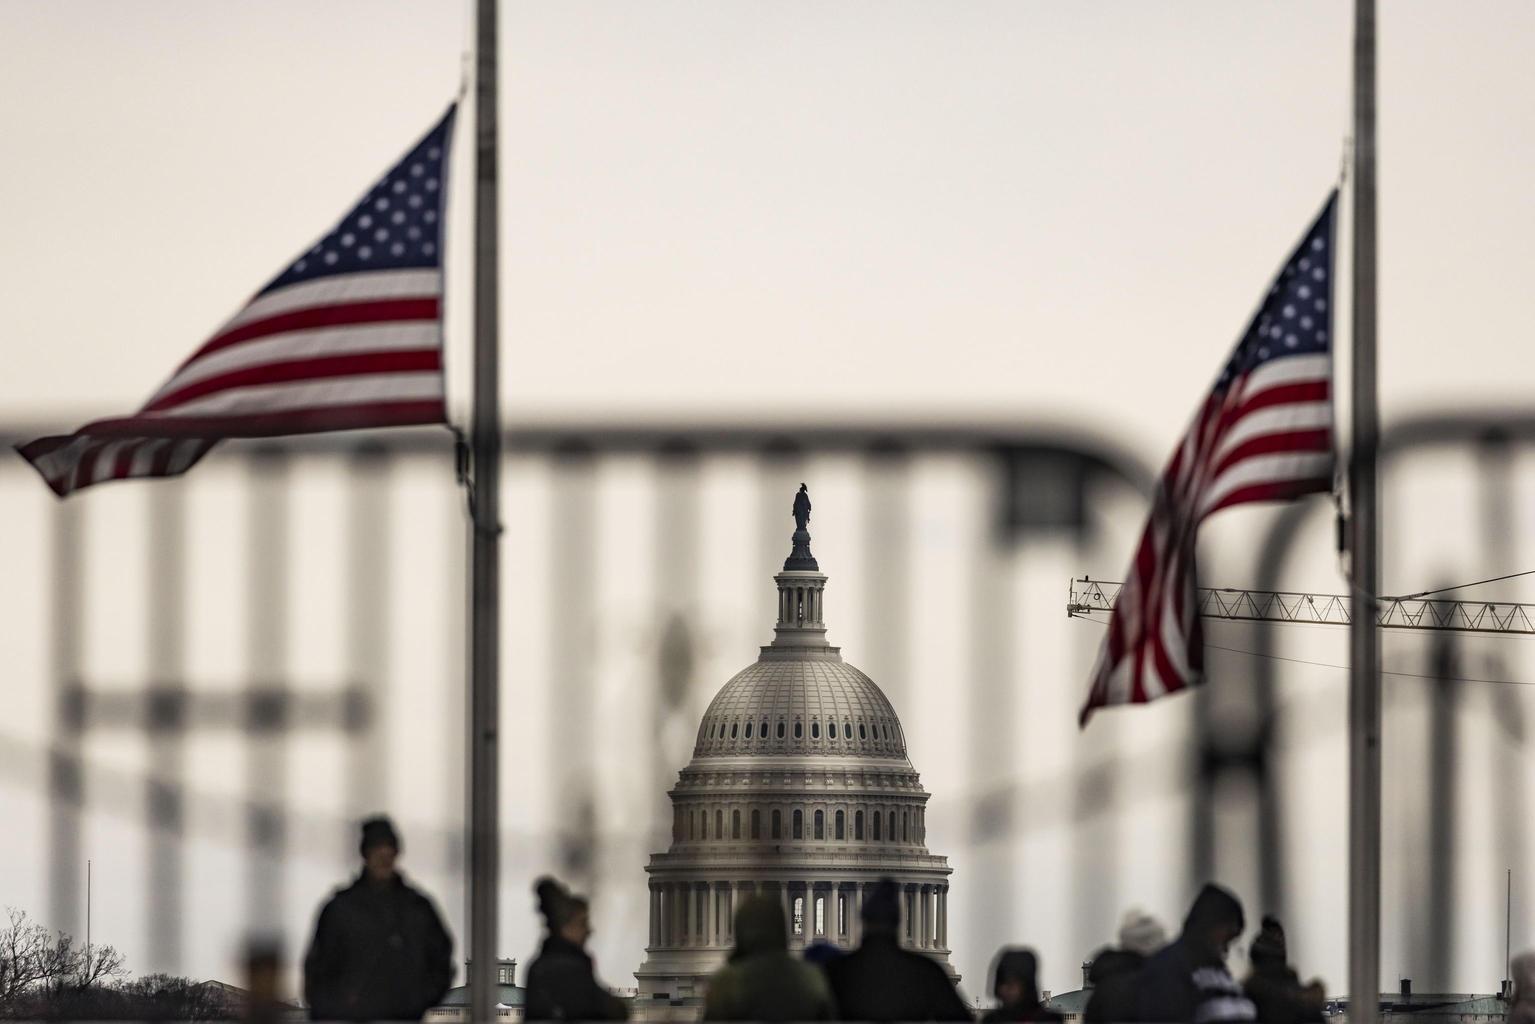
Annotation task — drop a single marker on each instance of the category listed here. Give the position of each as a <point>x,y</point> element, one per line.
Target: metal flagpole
<point>1364,635</point>
<point>485,633</point>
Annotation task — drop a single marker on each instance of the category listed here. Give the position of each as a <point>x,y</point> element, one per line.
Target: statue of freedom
<point>802,508</point>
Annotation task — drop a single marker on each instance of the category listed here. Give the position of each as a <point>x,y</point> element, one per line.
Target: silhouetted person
<point>761,981</point>
<point>880,981</point>
<point>802,508</point>
<point>1115,972</point>
<point>562,981</point>
<point>1275,990</point>
<point>263,968</point>
<point>1015,983</point>
<point>380,951</point>
<point>1188,980</point>
<point>1521,1010</point>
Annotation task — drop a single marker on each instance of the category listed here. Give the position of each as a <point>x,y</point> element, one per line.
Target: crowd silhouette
<point>380,952</point>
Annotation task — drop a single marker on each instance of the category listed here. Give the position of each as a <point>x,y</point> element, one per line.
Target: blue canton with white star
<point>397,225</point>
<point>1296,316</point>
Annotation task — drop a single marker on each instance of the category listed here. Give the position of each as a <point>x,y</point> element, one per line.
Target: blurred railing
<point>639,560</point>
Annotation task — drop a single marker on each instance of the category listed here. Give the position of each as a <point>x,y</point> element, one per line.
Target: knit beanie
<point>1269,946</point>
<point>1141,933</point>
<point>556,903</point>
<point>378,831</point>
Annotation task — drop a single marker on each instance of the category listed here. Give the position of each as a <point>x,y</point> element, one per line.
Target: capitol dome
<point>800,705</point>
<point>800,788</point>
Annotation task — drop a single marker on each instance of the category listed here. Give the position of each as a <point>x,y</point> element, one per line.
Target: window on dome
<point>847,729</point>
<point>831,729</point>
<point>799,824</point>
<point>799,729</point>
<point>756,824</point>
<point>841,825</point>
<point>815,730</point>
<point>763,731</point>
<point>780,730</point>
<point>777,825</point>
<point>733,728</point>
<point>692,824</point>
<point>857,824</point>
<point>711,730</point>
<point>905,827</point>
<point>877,818</point>
<point>863,733</point>
<point>719,824</point>
<point>820,824</point>
<point>735,824</point>
<point>748,730</point>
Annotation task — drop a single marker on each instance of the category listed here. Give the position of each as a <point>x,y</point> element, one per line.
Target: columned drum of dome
<point>799,788</point>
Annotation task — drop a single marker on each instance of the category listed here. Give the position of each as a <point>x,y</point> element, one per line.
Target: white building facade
<point>799,788</point>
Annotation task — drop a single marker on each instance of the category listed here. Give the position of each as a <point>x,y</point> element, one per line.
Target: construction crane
<point>1089,596</point>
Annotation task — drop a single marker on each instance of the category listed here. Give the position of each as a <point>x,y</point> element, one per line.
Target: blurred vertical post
<point>1364,635</point>
<point>65,783</point>
<point>485,519</point>
<point>167,667</point>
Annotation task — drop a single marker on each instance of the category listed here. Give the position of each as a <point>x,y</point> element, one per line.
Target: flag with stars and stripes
<point>348,336</point>
<point>1264,433</point>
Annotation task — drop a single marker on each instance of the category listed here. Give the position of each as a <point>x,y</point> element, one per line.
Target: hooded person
<point>880,981</point>
<point>1187,980</point>
<point>1274,988</point>
<point>562,980</point>
<point>380,951</point>
<point>762,981</point>
<point>1521,1009</point>
<point>1015,983</point>
<point>1115,971</point>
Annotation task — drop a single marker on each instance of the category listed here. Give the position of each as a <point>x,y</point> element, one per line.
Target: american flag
<point>1263,434</point>
<point>348,336</point>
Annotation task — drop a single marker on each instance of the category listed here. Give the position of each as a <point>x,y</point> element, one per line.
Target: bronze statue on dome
<point>802,508</point>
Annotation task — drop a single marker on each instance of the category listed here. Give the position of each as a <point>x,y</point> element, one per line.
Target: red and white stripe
<point>336,353</point>
<point>1266,437</point>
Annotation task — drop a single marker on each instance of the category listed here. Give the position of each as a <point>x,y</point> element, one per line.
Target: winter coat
<point>1114,978</point>
<point>380,952</point>
<point>1183,985</point>
<point>883,982</point>
<point>1279,997</point>
<point>762,981</point>
<point>1024,1012</point>
<point>1522,1009</point>
<point>562,985</point>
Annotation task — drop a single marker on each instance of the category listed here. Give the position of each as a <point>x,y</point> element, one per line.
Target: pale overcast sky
<point>1038,212</point>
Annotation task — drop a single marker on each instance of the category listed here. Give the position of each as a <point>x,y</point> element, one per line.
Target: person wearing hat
<point>1015,983</point>
<point>562,979</point>
<point>761,981</point>
<point>1187,980</point>
<point>380,951</point>
<point>1114,972</point>
<point>880,981</point>
<point>1274,988</point>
